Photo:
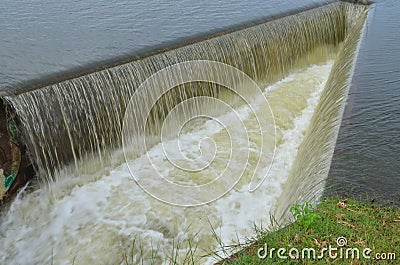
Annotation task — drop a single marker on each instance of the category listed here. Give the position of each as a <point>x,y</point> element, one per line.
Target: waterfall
<point>311,167</point>
<point>81,117</point>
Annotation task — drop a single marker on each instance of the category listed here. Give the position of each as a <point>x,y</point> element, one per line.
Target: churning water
<point>97,217</point>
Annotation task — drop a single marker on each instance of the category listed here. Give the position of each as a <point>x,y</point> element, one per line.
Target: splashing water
<point>99,219</point>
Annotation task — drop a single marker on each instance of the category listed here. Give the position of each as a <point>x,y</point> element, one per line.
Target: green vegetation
<point>182,252</point>
<point>345,225</point>
<point>304,215</point>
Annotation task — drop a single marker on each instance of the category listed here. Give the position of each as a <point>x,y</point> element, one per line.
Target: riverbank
<point>335,232</point>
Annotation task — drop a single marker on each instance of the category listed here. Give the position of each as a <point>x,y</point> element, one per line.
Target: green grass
<point>182,252</point>
<point>363,225</point>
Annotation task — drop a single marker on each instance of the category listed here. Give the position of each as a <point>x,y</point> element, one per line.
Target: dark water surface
<point>42,37</point>
<point>366,163</point>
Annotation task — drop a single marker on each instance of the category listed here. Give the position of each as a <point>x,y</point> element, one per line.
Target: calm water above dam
<point>38,38</point>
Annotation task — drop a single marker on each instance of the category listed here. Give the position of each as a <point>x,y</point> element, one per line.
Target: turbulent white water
<point>95,217</point>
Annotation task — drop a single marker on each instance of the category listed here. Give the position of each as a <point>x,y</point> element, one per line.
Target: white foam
<point>97,220</point>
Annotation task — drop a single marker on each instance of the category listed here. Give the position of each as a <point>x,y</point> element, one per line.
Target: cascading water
<point>91,210</point>
<point>68,120</point>
<point>308,174</point>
